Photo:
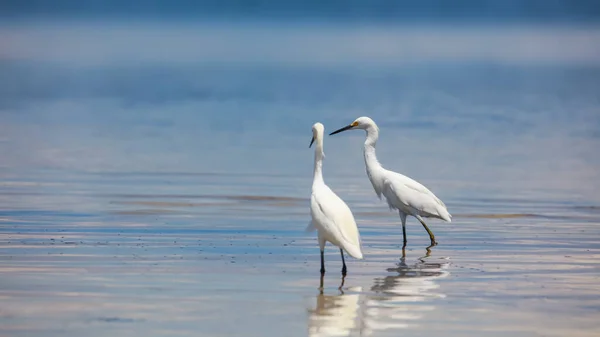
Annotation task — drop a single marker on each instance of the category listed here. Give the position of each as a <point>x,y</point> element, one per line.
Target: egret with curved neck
<point>331,217</point>
<point>401,192</point>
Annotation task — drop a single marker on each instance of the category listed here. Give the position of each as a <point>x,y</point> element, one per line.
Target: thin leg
<point>322,262</point>
<point>428,251</point>
<point>321,284</point>
<point>342,284</point>
<point>343,263</point>
<point>431,236</point>
<point>322,248</point>
<point>403,219</point>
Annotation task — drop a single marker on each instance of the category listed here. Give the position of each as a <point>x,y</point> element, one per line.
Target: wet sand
<point>99,255</point>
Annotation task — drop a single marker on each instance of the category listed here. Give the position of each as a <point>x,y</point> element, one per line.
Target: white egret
<point>401,192</point>
<point>331,217</point>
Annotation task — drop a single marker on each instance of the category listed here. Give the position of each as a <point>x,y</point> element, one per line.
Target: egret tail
<point>353,251</point>
<point>444,214</point>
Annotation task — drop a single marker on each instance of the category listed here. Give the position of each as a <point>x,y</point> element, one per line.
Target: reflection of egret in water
<point>396,301</point>
<point>334,315</point>
<point>402,298</point>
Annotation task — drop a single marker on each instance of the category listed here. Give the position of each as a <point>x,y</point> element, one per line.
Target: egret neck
<point>319,155</point>
<point>373,167</point>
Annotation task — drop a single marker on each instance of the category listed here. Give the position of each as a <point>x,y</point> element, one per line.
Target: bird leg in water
<point>403,219</point>
<point>431,236</point>
<point>343,263</point>
<point>427,254</point>
<point>342,284</point>
<point>321,284</point>
<point>322,263</point>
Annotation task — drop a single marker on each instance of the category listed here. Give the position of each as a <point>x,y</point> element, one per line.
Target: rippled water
<point>163,254</point>
<point>155,178</point>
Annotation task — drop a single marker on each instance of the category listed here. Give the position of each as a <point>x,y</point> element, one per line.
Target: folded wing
<point>407,194</point>
<point>336,220</point>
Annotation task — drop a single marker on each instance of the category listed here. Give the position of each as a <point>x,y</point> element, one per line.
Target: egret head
<point>361,123</point>
<point>317,130</point>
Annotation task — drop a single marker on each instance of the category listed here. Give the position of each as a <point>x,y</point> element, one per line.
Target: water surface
<point>98,254</point>
<point>146,192</point>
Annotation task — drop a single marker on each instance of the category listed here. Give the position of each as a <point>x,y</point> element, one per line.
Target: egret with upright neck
<point>401,192</point>
<point>331,217</point>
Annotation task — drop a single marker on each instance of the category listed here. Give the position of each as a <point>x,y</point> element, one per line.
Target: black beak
<point>312,141</point>
<point>342,129</point>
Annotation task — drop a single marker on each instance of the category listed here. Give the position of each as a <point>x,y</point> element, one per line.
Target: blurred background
<point>464,90</point>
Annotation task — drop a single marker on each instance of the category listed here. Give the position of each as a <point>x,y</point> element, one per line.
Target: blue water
<point>334,10</point>
<point>155,176</point>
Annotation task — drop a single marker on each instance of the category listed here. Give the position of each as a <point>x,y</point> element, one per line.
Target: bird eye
<point>354,124</point>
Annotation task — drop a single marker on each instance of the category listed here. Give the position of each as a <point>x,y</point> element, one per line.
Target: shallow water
<point>155,179</point>
<point>98,254</point>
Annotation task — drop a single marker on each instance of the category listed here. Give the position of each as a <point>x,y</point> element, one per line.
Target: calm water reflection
<point>337,314</point>
<point>403,298</point>
<point>395,302</point>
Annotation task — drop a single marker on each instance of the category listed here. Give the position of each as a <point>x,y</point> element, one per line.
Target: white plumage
<point>409,196</point>
<point>402,193</point>
<point>331,217</point>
